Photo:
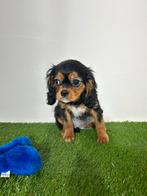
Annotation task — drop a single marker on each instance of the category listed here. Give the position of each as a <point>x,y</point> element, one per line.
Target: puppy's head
<point>68,81</point>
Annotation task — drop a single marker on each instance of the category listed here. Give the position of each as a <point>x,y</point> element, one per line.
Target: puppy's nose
<point>64,93</point>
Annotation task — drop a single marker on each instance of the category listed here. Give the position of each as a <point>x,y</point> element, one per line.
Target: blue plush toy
<point>19,157</point>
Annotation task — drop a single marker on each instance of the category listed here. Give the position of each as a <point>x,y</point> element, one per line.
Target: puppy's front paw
<point>103,138</point>
<point>68,137</point>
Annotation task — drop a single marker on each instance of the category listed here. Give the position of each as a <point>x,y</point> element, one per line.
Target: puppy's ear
<point>51,94</point>
<point>90,83</point>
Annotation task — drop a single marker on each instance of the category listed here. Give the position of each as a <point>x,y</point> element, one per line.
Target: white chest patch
<point>77,111</point>
<point>82,123</point>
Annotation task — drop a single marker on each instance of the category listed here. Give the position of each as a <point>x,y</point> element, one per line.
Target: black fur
<point>51,96</point>
<point>89,99</point>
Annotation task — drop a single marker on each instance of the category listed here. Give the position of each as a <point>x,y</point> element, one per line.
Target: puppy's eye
<point>58,82</point>
<point>76,82</point>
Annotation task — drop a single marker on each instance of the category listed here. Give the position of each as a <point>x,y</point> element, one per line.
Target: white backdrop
<point>109,36</point>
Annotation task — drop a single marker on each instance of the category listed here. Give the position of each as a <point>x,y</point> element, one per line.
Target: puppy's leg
<point>68,130</point>
<point>102,136</point>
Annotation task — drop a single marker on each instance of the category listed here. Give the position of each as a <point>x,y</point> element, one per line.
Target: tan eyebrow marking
<point>59,76</point>
<point>73,75</point>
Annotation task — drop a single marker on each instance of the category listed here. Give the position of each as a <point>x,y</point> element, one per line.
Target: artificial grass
<point>82,168</point>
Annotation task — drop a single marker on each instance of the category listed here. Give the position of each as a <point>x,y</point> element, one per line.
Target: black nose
<point>64,93</point>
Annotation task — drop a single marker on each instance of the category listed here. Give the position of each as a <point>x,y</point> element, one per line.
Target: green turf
<point>82,168</point>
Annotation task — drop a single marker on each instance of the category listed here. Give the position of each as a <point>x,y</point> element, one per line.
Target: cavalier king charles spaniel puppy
<point>73,86</point>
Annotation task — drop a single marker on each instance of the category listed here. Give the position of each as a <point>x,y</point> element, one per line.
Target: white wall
<point>109,36</point>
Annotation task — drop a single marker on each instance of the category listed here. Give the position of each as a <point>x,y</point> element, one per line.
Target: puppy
<point>72,84</point>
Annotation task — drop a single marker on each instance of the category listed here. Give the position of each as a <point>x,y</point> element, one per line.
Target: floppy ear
<point>90,83</point>
<point>51,94</point>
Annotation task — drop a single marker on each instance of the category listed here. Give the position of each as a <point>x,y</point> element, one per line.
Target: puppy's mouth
<point>65,100</point>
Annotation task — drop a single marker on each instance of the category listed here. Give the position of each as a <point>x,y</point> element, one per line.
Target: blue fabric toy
<point>19,157</point>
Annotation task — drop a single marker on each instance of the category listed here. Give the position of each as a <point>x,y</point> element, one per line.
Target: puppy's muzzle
<point>64,93</point>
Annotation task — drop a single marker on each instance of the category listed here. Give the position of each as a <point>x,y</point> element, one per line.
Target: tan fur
<point>100,128</point>
<point>73,93</point>
<point>60,120</point>
<point>62,105</point>
<point>68,130</point>
<point>89,86</point>
<point>73,75</point>
<point>60,76</point>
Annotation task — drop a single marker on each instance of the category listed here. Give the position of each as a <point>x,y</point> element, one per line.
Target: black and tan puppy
<point>73,85</point>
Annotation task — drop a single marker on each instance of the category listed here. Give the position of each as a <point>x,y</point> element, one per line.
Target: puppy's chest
<point>80,116</point>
